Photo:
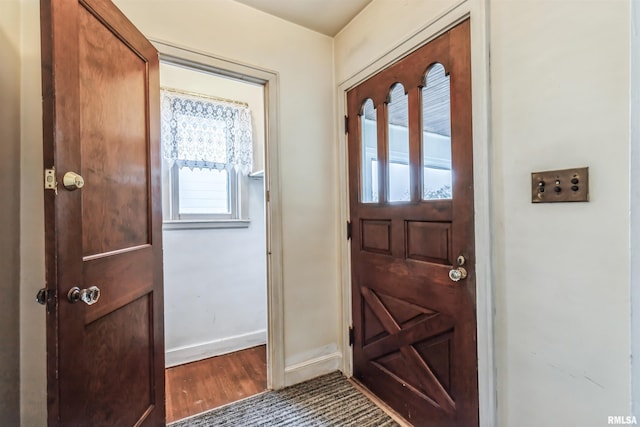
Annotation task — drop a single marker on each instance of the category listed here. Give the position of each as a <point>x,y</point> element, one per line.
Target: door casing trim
<point>173,54</point>
<point>478,11</point>
<point>634,202</point>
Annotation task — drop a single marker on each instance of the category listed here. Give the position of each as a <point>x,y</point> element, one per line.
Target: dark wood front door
<point>411,201</point>
<point>105,361</point>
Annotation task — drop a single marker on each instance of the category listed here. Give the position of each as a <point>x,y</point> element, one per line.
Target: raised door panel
<point>113,130</point>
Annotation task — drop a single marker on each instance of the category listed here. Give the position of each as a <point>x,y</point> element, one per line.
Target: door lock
<point>72,181</point>
<point>458,274</point>
<point>41,297</point>
<point>89,296</point>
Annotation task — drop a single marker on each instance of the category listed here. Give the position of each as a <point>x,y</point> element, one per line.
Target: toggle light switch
<point>567,185</point>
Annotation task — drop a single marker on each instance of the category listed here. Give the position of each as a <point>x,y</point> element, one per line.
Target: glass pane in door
<point>398,178</point>
<point>436,135</point>
<point>369,155</point>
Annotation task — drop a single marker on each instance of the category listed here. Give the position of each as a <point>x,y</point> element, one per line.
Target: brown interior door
<point>411,200</point>
<point>105,361</point>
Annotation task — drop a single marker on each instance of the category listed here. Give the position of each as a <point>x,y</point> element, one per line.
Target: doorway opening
<point>215,238</point>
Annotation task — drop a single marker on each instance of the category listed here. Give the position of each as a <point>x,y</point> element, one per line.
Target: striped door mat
<point>327,401</point>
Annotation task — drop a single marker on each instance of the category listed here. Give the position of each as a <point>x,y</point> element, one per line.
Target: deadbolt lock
<point>72,181</point>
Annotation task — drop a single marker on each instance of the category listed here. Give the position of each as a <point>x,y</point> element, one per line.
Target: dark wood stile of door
<point>415,328</point>
<point>105,362</point>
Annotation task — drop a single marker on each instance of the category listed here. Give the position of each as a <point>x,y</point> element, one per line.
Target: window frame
<point>238,203</point>
<point>174,204</point>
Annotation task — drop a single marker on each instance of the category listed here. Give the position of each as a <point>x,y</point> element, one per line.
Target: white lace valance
<point>202,132</point>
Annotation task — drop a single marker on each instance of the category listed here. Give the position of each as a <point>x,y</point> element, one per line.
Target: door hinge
<point>268,196</point>
<point>346,124</point>
<point>352,336</point>
<point>349,230</point>
<point>50,182</point>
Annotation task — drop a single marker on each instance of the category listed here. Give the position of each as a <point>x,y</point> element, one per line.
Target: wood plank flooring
<point>206,384</point>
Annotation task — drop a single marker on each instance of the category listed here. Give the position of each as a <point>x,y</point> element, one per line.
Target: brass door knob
<point>72,181</point>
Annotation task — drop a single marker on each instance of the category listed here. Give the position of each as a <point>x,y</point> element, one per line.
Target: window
<point>207,144</point>
<point>206,193</point>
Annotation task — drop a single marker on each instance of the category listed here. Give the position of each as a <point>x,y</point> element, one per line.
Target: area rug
<point>326,401</point>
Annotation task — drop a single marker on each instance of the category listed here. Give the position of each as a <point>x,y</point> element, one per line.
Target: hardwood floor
<point>206,384</point>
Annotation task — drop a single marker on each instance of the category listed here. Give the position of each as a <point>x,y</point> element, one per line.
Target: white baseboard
<point>192,353</point>
<point>312,368</point>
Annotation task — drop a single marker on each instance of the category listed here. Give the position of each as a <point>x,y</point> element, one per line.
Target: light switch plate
<point>567,185</point>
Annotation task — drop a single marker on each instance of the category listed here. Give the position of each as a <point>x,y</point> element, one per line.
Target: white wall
<point>303,60</point>
<point>560,99</point>
<point>215,287</point>
<point>215,279</point>
<point>560,93</point>
<point>10,211</point>
<point>33,392</point>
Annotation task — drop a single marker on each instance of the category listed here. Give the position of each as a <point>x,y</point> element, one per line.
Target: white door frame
<point>172,54</point>
<point>634,200</point>
<point>478,11</point>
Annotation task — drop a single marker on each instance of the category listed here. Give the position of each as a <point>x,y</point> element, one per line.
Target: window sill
<point>199,224</point>
<point>257,175</point>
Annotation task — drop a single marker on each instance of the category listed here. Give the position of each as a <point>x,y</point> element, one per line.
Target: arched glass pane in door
<point>369,155</point>
<point>399,171</point>
<point>436,135</point>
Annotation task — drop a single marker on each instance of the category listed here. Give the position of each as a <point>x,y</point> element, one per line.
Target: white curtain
<point>202,132</point>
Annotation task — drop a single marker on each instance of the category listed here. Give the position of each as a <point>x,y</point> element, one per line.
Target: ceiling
<point>325,16</point>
